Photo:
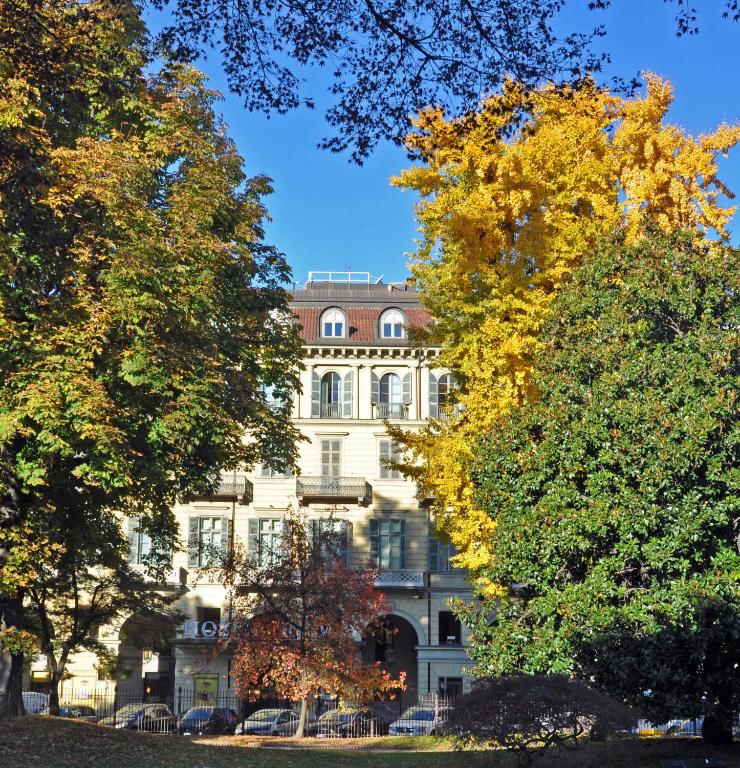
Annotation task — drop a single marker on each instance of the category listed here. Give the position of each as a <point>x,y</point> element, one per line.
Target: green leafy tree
<point>141,314</point>
<point>88,585</point>
<point>615,493</point>
<point>388,59</point>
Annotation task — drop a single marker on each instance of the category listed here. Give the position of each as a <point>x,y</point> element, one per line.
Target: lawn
<point>34,742</point>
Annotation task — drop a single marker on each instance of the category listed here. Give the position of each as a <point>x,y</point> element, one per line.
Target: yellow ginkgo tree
<point>513,198</point>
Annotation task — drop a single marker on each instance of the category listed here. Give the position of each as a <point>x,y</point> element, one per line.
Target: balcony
<point>400,579</point>
<point>233,487</point>
<point>425,496</point>
<point>390,410</point>
<point>308,488</point>
<point>331,410</point>
<point>450,412</point>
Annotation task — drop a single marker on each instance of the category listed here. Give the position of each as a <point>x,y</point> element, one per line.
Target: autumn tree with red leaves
<point>299,612</point>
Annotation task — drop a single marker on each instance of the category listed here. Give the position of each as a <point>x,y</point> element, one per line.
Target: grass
<point>35,742</point>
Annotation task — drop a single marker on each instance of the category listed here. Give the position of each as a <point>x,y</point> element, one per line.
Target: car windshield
<point>266,714</point>
<point>337,714</point>
<point>418,713</point>
<point>198,713</point>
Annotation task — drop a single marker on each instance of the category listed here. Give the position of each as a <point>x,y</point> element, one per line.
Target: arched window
<point>391,324</point>
<point>391,402</point>
<point>332,323</point>
<point>444,388</point>
<point>331,393</point>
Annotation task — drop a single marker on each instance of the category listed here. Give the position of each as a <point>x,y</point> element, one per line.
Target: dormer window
<point>391,324</point>
<point>332,323</point>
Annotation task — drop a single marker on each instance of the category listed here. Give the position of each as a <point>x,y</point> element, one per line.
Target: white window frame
<point>340,451</point>
<point>333,317</point>
<point>393,454</point>
<point>395,322</point>
<point>207,550</point>
<point>273,532</point>
<point>394,395</point>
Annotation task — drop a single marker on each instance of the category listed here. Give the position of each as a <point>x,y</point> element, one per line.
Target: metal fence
<point>226,713</point>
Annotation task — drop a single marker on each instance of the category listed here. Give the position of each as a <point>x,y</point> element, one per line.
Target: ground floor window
<point>452,687</point>
<point>450,630</point>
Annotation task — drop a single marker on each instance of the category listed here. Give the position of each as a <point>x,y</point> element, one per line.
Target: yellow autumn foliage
<point>513,198</point>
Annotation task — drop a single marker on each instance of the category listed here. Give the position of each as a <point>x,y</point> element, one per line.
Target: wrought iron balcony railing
<point>400,579</point>
<point>333,488</point>
<point>231,486</point>
<point>391,410</point>
<point>424,496</point>
<point>331,410</point>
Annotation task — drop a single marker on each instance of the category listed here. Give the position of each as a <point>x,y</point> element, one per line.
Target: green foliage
<point>615,494</point>
<point>140,310</point>
<point>526,713</point>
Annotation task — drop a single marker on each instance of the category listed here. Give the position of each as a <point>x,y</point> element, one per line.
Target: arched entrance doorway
<point>395,647</point>
<point>146,661</point>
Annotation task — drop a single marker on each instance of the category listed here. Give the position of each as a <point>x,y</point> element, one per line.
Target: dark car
<point>233,719</point>
<point>154,718</point>
<point>199,721</point>
<point>270,722</point>
<point>76,712</point>
<point>344,723</point>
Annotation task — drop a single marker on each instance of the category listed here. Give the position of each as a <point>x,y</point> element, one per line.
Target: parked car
<point>76,712</point>
<point>156,718</point>
<point>343,723</point>
<point>34,702</point>
<point>233,719</point>
<point>199,721</point>
<point>270,722</point>
<point>419,721</point>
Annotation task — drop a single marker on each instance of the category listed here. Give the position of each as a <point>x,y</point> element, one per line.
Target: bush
<point>525,712</point>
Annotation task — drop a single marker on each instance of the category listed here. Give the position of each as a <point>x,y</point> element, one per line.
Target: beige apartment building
<point>359,371</point>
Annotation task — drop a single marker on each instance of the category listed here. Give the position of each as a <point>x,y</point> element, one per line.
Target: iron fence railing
<point>391,410</point>
<point>333,487</point>
<point>185,711</point>
<point>236,485</point>
<point>404,578</point>
<point>232,486</point>
<point>331,410</point>
<point>188,711</point>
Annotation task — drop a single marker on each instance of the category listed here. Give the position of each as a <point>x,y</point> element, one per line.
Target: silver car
<point>270,722</point>
<point>419,721</point>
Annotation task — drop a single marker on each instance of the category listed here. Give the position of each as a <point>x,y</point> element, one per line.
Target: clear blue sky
<point>329,214</point>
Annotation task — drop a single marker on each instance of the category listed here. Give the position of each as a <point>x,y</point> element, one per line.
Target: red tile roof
<point>363,323</point>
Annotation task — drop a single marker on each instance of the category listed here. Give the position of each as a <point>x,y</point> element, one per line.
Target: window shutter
<point>406,388</point>
<point>133,535</point>
<point>374,542</point>
<point>253,538</point>
<point>313,532</point>
<point>433,396</point>
<point>315,395</point>
<point>433,559</point>
<point>346,545</point>
<point>193,542</point>
<point>347,395</point>
<point>374,387</point>
<point>403,544</point>
<point>225,536</point>
<point>384,451</point>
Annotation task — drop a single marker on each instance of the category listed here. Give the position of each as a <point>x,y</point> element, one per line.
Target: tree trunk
<point>11,664</point>
<point>302,719</point>
<point>54,679</point>
<point>717,728</point>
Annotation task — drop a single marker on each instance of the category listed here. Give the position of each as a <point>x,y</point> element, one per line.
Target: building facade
<point>359,370</point>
